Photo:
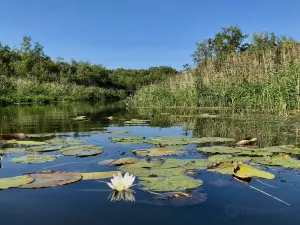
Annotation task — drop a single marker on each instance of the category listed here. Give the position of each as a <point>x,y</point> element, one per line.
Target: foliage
<point>28,75</point>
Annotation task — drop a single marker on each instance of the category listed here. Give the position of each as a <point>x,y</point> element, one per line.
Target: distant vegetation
<point>28,75</point>
<point>263,74</point>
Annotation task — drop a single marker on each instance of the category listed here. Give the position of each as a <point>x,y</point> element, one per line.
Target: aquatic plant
<point>120,183</point>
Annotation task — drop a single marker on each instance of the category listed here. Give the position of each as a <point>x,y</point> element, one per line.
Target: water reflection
<point>126,195</point>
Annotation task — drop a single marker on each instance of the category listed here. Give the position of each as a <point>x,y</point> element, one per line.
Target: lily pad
<point>158,151</point>
<point>17,181</point>
<point>123,161</point>
<point>198,164</point>
<point>12,150</point>
<point>56,141</point>
<point>34,159</point>
<point>27,143</point>
<point>220,158</point>
<point>246,171</point>
<point>173,163</point>
<point>46,179</point>
<point>223,168</point>
<point>219,149</point>
<point>127,139</point>
<point>136,122</point>
<point>174,183</point>
<point>98,175</point>
<point>116,131</point>
<point>45,148</point>
<point>167,140</point>
<point>79,118</point>
<point>81,150</point>
<point>204,140</point>
<point>151,172</point>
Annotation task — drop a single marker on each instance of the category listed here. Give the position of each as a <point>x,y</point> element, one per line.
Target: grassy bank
<point>266,80</point>
<point>23,91</point>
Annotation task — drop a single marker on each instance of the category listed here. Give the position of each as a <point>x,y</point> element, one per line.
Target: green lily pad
<point>116,131</point>
<point>43,135</point>
<point>220,158</point>
<point>79,118</point>
<point>46,179</point>
<point>98,175</point>
<point>167,140</point>
<point>170,150</point>
<point>254,152</point>
<point>223,168</point>
<point>27,143</point>
<point>285,161</point>
<point>45,148</point>
<point>81,150</point>
<point>219,149</point>
<point>12,150</point>
<point>34,159</point>
<point>197,164</point>
<point>174,183</point>
<point>246,171</point>
<point>123,161</point>
<point>205,140</point>
<point>17,181</point>
<point>127,139</point>
<point>56,141</point>
<point>146,163</point>
<point>151,171</point>
<point>136,122</point>
<point>173,163</point>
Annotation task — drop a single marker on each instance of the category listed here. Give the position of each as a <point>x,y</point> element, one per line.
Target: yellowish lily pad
<point>246,171</point>
<point>17,181</point>
<point>98,175</point>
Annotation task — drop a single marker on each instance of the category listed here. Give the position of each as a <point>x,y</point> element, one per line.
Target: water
<point>223,200</point>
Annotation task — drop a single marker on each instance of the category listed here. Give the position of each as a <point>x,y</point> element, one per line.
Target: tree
<point>204,51</point>
<point>230,40</point>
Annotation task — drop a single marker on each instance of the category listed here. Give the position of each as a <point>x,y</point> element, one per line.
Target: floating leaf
<point>79,118</point>
<point>220,158</point>
<point>219,149</point>
<point>26,142</point>
<point>127,139</point>
<point>45,148</point>
<point>158,151</point>
<point>174,183</point>
<point>56,141</point>
<point>152,172</point>
<point>46,179</point>
<point>116,131</point>
<point>177,199</point>
<point>34,159</point>
<point>246,171</point>
<point>136,122</point>
<point>13,150</point>
<point>12,182</point>
<point>167,140</point>
<point>105,162</point>
<point>223,168</point>
<point>173,163</point>
<point>81,150</point>
<point>204,140</point>
<point>198,164</point>
<point>123,161</point>
<point>98,175</point>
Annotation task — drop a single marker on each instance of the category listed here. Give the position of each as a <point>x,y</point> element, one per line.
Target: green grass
<point>279,90</point>
<point>22,91</point>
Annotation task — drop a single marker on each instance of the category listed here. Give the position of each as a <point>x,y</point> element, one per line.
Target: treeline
<point>233,70</point>
<point>29,75</point>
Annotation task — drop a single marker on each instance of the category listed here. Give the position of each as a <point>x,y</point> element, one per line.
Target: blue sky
<point>138,33</point>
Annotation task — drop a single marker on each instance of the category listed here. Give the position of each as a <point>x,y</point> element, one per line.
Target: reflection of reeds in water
<point>126,195</point>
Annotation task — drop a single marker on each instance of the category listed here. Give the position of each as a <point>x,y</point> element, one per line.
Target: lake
<point>217,198</point>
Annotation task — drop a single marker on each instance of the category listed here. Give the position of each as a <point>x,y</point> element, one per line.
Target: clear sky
<point>138,33</point>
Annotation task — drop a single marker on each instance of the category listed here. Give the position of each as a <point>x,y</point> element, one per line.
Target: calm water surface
<point>226,201</point>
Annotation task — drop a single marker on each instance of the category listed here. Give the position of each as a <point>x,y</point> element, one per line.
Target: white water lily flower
<point>120,183</point>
